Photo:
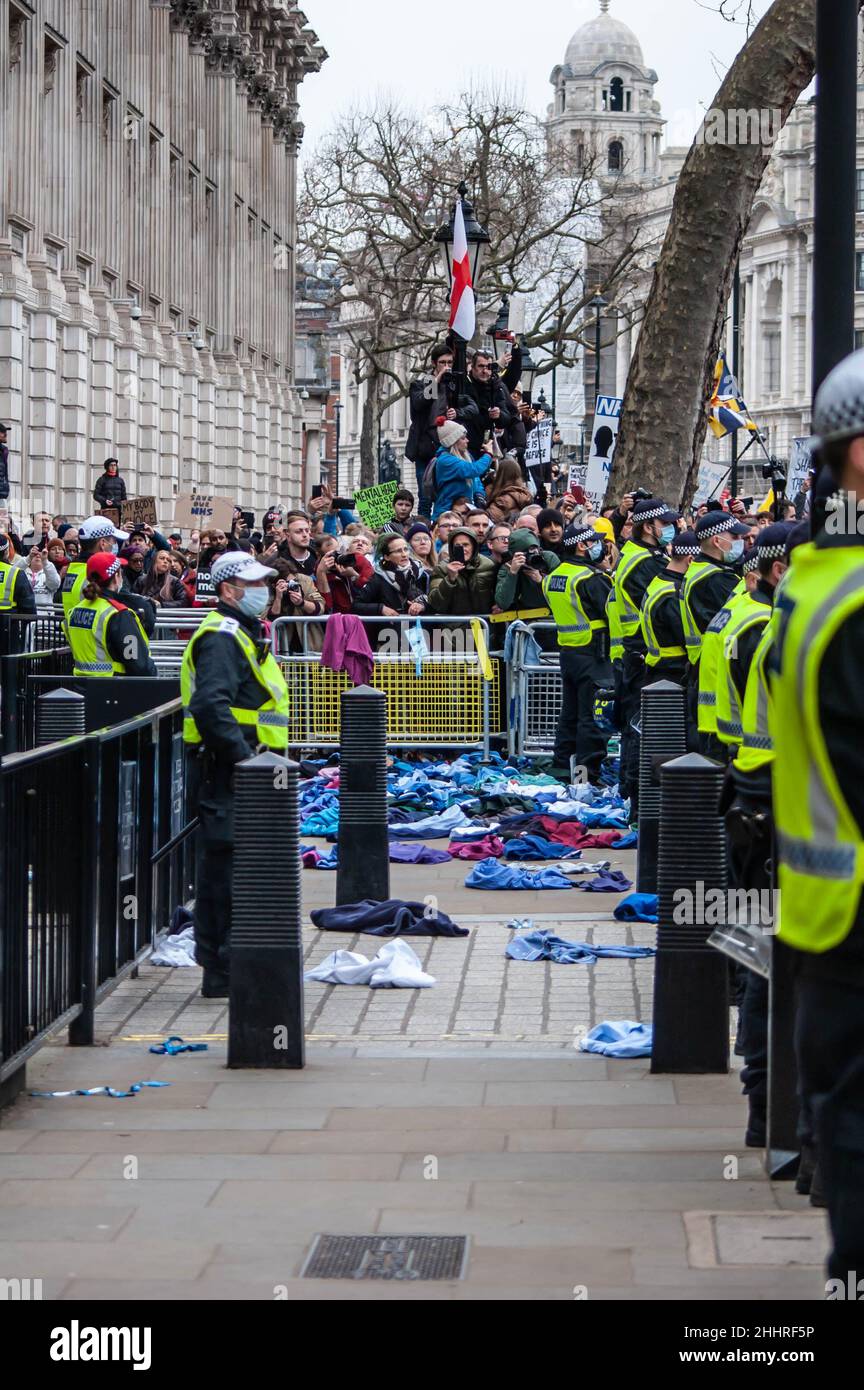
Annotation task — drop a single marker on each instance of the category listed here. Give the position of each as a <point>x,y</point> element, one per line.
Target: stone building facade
<point>147,242</point>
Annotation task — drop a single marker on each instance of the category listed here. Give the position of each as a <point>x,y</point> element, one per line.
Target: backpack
<point>430,479</point>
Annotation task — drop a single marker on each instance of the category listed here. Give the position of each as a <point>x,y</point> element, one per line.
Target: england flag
<point>462,309</point>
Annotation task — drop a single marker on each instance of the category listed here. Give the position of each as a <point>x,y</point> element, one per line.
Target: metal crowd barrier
<point>443,692</point>
<point>534,693</point>
<point>96,851</point>
<point>174,627</point>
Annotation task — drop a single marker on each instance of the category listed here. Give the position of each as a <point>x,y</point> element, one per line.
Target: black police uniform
<point>223,679</point>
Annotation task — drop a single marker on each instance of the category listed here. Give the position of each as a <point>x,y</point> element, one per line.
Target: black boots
<point>214,985</point>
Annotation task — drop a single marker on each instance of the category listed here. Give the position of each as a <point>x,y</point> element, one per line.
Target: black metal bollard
<point>691,990</point>
<point>59,714</point>
<point>265,1023</point>
<point>364,849</point>
<point>783,1147</point>
<point>664,736</point>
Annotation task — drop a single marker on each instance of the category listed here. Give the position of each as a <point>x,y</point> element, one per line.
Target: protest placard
<point>137,511</point>
<point>708,481</point>
<point>603,436</point>
<point>202,510</point>
<point>205,589</point>
<point>113,515</point>
<point>539,447</point>
<point>800,462</point>
<point>374,505</point>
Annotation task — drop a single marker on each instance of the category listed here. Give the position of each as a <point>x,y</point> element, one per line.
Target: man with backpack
<point>433,395</point>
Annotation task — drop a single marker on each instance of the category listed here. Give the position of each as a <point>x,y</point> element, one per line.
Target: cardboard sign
<point>576,475</point>
<point>113,515</point>
<point>800,462</point>
<point>205,589</point>
<point>603,438</point>
<point>375,504</point>
<point>539,447</point>
<point>137,511</point>
<point>708,481</point>
<point>202,510</point>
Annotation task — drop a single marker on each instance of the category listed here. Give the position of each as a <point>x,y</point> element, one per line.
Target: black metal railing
<point>18,692</point>
<point>97,851</point>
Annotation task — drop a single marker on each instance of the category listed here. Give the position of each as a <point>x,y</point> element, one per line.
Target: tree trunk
<point>664,415</point>
<point>368,451</point>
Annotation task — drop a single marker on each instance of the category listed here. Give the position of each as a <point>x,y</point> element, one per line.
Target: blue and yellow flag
<point>727,411</point>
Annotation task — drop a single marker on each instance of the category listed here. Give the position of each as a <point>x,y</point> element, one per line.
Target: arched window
<point>578,148</point>
<point>616,157</point>
<point>772,338</point>
<point>616,94</point>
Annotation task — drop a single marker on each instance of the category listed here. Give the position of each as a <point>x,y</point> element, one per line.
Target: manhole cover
<point>386,1257</point>
<point>776,1238</point>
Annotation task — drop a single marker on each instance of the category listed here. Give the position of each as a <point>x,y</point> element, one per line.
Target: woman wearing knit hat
<point>456,473</point>
<point>422,547</point>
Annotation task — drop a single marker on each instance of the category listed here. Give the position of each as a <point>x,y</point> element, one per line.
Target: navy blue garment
<point>537,847</point>
<point>390,918</point>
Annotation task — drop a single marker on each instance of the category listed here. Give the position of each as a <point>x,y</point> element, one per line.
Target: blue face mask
<point>668,534</point>
<point>595,550</point>
<point>253,603</point>
<point>734,553</point>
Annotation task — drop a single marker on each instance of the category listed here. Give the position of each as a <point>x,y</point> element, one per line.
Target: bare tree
<point>377,188</point>
<point>664,415</point>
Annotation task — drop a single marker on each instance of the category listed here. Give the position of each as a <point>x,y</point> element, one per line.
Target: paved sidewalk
<point>462,1110</point>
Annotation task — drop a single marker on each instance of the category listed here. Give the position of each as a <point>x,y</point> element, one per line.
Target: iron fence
<point>96,848</point>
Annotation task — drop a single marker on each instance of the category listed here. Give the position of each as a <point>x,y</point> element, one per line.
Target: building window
<point>82,77</point>
<point>155,307</point>
<point>616,94</point>
<point>772,362</point>
<point>859,271</point>
<point>628,101</point>
<point>209,201</point>
<point>859,190</point>
<point>616,157</point>
<point>83,270</point>
<point>109,283</point>
<point>17,29</point>
<point>772,338</point>
<point>53,50</point>
<point>54,255</point>
<point>859,338</point>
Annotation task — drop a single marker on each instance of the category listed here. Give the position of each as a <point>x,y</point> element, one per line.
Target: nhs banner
<point>604,435</point>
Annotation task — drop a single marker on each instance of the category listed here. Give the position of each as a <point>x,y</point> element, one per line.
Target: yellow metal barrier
<point>452,703</point>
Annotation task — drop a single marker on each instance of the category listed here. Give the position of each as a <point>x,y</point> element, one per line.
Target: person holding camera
<point>520,579</point>
<point>395,587</point>
<point>430,396</point>
<point>339,572</point>
<point>463,585</point>
<point>495,412</point>
<point>295,596</point>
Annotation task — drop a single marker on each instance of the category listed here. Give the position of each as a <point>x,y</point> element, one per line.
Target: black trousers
<point>750,855</point>
<point>829,1042</point>
<point>634,674</point>
<point>214,863</point>
<point>582,672</point>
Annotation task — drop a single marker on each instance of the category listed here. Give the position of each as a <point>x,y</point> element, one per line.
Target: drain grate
<point>386,1257</point>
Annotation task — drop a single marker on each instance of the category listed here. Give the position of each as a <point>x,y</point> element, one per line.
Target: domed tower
<point>604,105</point>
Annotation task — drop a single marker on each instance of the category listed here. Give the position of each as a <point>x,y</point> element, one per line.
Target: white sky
<point>423,53</point>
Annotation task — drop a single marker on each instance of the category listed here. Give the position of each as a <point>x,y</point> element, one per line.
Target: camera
<point>534,557</point>
<point>640,495</point>
<point>344,562</point>
<point>774,470</point>
<point>294,585</point>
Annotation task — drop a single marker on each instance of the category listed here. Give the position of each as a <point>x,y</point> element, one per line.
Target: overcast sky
<point>424,53</point>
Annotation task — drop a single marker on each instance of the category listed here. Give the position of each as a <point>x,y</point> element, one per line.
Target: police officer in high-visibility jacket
<point>817,725</point>
<point>662,629</point>
<point>643,557</point>
<point>743,632</point>
<point>234,700</point>
<point>106,637</point>
<point>576,593</point>
<point>712,583</point>
<point>16,594</point>
<point>96,536</point>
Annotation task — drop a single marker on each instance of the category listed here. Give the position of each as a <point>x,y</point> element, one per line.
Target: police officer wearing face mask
<point>662,629</point>
<point>642,559</point>
<point>235,700</point>
<point>712,582</point>
<point>577,593</point>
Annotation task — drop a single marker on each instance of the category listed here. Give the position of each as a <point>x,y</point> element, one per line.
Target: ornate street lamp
<point>530,368</point>
<point>478,243</point>
<point>598,304</point>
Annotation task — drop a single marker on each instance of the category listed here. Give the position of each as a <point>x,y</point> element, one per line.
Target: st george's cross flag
<point>463,317</point>
<point>726,409</point>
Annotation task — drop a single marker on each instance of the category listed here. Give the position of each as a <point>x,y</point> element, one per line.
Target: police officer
<point>660,617</point>
<point>234,699</point>
<point>817,725</point>
<point>96,536</point>
<point>749,823</point>
<point>16,594</point>
<point>708,587</point>
<point>643,557</point>
<point>106,637</point>
<point>576,593</point>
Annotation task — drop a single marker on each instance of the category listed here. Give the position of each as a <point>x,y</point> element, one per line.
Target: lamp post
<point>530,368</point>
<point>338,408</point>
<point>542,403</point>
<point>478,243</point>
<point>598,304</point>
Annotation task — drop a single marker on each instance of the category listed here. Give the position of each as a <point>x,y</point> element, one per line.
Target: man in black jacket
<point>495,410</point>
<point>4,465</point>
<point>110,491</point>
<point>430,397</point>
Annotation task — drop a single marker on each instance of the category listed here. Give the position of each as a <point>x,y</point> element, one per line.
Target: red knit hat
<point>103,566</point>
